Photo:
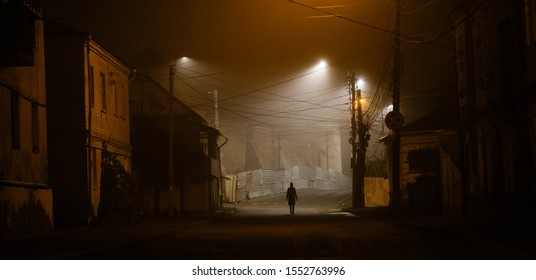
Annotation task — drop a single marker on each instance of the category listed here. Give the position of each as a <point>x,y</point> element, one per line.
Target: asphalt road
<point>263,229</point>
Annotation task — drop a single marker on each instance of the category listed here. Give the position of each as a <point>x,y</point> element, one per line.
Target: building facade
<point>25,193</point>
<point>495,49</point>
<point>88,116</point>
<point>430,164</point>
<point>189,181</point>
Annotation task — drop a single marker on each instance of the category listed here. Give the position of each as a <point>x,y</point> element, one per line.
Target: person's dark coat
<point>291,195</point>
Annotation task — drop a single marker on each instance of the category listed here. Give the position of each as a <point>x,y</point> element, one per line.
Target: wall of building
<point>76,82</point>
<point>107,96</point>
<point>494,105</point>
<point>25,194</point>
<point>66,133</point>
<point>196,162</point>
<point>415,182</point>
<point>530,29</point>
<point>196,197</point>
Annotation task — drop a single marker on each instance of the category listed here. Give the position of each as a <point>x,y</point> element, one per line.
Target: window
<point>35,127</point>
<point>114,95</point>
<point>425,160</point>
<point>204,143</point>
<point>103,91</point>
<point>15,120</point>
<point>91,86</point>
<point>17,30</point>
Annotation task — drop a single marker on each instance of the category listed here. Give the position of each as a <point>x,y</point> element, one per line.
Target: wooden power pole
<point>396,112</point>
<point>353,142</point>
<point>363,137</point>
<point>359,140</point>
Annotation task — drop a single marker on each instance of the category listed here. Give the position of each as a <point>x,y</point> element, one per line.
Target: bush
<point>120,201</point>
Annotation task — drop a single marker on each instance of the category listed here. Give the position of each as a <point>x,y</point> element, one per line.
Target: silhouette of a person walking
<point>291,198</point>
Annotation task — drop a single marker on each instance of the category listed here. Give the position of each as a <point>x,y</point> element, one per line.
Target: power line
<point>409,38</point>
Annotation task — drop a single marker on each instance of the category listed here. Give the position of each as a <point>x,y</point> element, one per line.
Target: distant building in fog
<point>496,66</point>
<point>87,114</point>
<point>196,163</point>
<point>25,194</point>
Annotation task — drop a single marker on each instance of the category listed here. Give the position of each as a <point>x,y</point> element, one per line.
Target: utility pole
<point>171,139</point>
<point>359,141</point>
<point>279,147</point>
<point>396,110</point>
<point>327,150</point>
<point>353,142</point>
<point>216,111</point>
<point>364,136</point>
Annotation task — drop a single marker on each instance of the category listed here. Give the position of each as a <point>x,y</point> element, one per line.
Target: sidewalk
<point>69,243</point>
<point>516,237</point>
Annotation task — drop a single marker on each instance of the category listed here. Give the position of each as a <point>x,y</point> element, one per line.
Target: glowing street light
<point>360,83</point>
<point>321,65</point>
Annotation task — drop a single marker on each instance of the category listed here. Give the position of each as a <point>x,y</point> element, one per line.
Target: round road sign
<point>394,120</point>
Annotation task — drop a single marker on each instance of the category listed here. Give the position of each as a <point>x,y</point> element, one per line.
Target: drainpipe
<point>221,180</point>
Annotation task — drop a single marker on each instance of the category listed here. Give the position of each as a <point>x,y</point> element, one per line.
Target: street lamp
<point>360,83</point>
<point>321,65</point>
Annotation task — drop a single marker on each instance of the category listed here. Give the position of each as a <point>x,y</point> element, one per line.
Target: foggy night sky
<point>260,54</point>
